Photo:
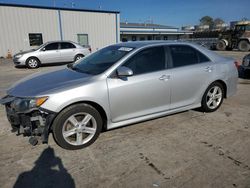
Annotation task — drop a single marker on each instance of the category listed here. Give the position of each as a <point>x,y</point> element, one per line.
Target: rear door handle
<point>164,77</point>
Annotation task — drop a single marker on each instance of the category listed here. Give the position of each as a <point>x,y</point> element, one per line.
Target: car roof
<point>60,41</point>
<point>140,44</point>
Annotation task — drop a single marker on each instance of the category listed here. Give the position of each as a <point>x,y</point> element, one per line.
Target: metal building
<point>148,31</point>
<point>25,27</point>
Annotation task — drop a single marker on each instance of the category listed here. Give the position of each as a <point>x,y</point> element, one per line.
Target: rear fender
<point>245,38</point>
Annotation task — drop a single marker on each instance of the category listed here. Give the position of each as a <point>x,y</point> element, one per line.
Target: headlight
<point>24,104</point>
<point>18,56</point>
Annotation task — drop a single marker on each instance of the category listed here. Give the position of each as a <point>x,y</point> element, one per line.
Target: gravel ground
<point>189,149</point>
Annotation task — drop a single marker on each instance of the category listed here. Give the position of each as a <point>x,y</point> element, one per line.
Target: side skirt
<point>112,125</point>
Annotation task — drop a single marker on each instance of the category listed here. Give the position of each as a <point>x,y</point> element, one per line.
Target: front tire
<point>213,97</point>
<point>32,63</point>
<point>77,126</point>
<point>221,45</point>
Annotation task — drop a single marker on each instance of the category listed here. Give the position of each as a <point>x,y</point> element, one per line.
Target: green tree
<point>206,20</point>
<point>218,21</point>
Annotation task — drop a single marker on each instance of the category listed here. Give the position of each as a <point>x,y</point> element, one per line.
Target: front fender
<point>96,92</point>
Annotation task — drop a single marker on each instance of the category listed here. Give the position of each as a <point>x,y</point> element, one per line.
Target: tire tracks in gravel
<point>226,155</point>
<point>153,166</point>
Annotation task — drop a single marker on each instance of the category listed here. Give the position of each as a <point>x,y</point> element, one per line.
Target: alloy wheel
<point>33,63</point>
<point>79,129</point>
<point>214,97</point>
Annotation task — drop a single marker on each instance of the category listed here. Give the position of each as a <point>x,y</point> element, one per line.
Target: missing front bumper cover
<point>36,123</point>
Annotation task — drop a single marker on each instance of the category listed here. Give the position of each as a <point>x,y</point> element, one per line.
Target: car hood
<point>25,52</point>
<point>48,83</point>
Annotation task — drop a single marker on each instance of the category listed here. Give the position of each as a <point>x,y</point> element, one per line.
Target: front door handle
<point>164,77</point>
<point>209,69</point>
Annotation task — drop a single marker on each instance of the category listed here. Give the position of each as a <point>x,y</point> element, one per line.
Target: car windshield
<point>101,60</point>
<point>38,47</point>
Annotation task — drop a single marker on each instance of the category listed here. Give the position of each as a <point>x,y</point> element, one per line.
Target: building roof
<point>145,25</point>
<point>57,8</point>
<point>179,32</point>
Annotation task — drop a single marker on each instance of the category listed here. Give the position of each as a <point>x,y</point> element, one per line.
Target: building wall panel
<point>100,27</point>
<point>17,22</point>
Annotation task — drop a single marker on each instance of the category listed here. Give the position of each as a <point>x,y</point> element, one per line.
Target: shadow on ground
<point>48,172</point>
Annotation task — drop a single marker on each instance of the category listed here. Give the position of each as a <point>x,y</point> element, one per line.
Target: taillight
<point>90,50</point>
<point>237,64</point>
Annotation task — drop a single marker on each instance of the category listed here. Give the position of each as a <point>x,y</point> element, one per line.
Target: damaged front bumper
<point>34,123</point>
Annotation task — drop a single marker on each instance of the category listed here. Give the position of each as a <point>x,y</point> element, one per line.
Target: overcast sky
<point>167,12</point>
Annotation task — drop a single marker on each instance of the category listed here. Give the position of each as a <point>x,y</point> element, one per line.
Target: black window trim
<point>170,64</point>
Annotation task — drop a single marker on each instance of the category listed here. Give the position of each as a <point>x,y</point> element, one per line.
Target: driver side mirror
<point>43,49</point>
<point>124,71</point>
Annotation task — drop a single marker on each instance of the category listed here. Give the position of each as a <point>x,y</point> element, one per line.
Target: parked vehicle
<point>116,86</point>
<point>239,38</point>
<point>51,52</point>
<point>245,67</point>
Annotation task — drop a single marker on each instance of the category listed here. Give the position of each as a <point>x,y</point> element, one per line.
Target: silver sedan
<point>51,52</point>
<point>119,85</point>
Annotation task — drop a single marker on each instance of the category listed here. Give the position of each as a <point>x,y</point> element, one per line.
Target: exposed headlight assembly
<point>18,56</point>
<point>26,104</point>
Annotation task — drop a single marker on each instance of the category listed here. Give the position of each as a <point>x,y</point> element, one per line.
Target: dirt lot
<point>189,149</point>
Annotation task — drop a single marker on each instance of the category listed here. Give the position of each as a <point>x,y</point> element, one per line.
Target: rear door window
<point>67,45</point>
<point>148,60</point>
<point>183,55</point>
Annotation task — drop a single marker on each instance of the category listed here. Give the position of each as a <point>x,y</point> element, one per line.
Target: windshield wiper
<point>77,69</point>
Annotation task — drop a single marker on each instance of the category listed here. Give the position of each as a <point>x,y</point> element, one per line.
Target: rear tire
<point>32,63</point>
<point>221,45</point>
<point>213,97</point>
<point>77,126</point>
<point>244,46</point>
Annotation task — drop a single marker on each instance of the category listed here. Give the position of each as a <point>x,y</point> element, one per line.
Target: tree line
<point>207,20</point>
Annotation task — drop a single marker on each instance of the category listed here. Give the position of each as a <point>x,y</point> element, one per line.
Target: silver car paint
<point>52,56</point>
<point>49,56</point>
<point>139,97</point>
